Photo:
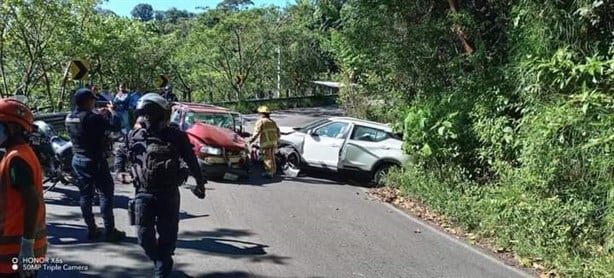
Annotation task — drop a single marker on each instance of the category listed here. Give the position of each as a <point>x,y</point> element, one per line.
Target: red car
<point>215,132</point>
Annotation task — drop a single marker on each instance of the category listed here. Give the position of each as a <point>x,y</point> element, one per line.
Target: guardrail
<point>249,106</point>
<point>268,100</point>
<point>56,120</point>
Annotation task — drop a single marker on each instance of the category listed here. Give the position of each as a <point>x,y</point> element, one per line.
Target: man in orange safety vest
<point>23,238</point>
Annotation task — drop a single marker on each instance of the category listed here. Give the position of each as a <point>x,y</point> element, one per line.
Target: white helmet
<point>153,98</point>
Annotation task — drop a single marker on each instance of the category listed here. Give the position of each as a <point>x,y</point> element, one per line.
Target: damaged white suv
<point>344,143</point>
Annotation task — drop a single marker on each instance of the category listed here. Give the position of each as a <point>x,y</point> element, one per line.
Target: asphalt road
<point>304,227</point>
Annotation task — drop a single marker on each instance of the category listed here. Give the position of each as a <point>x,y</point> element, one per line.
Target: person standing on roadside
<point>106,94</point>
<point>89,132</point>
<point>134,99</point>
<point>23,234</point>
<point>121,104</point>
<point>155,150</point>
<point>266,132</point>
<point>120,155</point>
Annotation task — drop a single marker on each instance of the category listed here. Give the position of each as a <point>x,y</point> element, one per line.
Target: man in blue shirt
<point>108,96</point>
<point>119,164</point>
<point>134,98</point>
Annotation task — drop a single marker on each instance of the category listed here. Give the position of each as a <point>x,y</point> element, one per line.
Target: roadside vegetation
<point>233,51</point>
<point>508,107</point>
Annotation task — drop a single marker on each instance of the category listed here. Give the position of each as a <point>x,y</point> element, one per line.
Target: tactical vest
<point>84,142</point>
<point>12,210</point>
<point>155,162</point>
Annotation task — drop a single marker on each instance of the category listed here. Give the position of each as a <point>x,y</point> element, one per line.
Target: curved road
<point>304,227</point>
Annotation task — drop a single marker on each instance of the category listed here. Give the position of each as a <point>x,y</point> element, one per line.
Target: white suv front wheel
<point>378,177</point>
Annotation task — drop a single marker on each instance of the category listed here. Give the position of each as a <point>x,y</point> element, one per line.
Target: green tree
<point>143,12</point>
<point>234,4</point>
<point>233,45</point>
<point>302,58</point>
<point>33,45</point>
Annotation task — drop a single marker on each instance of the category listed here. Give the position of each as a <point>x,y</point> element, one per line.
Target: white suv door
<point>323,145</point>
<point>366,146</point>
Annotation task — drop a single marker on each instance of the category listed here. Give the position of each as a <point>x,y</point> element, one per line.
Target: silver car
<point>343,143</point>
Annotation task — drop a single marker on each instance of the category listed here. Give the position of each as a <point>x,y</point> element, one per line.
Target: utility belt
<point>97,156</point>
<point>162,189</point>
<point>157,190</point>
<point>182,177</point>
<point>132,203</point>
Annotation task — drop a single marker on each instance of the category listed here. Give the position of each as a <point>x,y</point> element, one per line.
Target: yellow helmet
<point>264,109</point>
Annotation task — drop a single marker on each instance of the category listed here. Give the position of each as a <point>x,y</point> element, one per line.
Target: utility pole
<point>278,71</point>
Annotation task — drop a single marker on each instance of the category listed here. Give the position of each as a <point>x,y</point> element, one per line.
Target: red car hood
<point>216,136</point>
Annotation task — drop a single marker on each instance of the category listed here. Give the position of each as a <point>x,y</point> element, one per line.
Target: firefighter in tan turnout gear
<point>267,132</point>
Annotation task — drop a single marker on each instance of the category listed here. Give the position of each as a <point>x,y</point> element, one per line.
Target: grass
<point>557,234</point>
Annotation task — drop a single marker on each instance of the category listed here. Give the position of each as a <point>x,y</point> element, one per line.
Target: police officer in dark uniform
<point>89,132</point>
<point>157,181</point>
<point>167,93</point>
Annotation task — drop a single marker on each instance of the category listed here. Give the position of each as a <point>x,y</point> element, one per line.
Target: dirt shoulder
<point>418,209</point>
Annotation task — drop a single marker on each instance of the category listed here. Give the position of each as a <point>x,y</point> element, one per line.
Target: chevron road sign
<point>79,69</point>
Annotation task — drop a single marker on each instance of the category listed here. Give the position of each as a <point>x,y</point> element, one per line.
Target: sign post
<point>76,70</point>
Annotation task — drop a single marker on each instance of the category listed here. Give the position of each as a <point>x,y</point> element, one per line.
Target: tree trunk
<point>63,88</point>
<point>4,85</point>
<point>467,45</point>
<point>48,87</point>
<point>188,91</point>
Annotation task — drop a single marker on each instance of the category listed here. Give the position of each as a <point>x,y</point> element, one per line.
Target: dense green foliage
<point>204,54</point>
<point>509,108</point>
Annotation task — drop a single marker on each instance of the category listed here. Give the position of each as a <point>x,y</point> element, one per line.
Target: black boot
<point>115,236</point>
<point>94,233</point>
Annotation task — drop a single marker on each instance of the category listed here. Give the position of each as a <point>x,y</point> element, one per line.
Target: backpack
<point>155,162</point>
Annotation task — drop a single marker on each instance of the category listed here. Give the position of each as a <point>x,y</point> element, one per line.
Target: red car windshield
<point>224,120</point>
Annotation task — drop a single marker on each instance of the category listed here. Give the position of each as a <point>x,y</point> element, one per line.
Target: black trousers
<point>158,212</point>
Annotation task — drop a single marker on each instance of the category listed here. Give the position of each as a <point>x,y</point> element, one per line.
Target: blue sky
<point>124,7</point>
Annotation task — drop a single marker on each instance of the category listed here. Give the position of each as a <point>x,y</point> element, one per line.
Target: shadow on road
<point>308,175</point>
<point>70,234</point>
<point>184,215</point>
<point>223,242</point>
<point>327,177</point>
<point>219,232</point>
<point>231,274</point>
<point>70,197</point>
<point>224,247</point>
<point>232,248</point>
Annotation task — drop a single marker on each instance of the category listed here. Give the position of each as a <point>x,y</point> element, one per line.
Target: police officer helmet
<point>152,99</point>
<point>155,107</point>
